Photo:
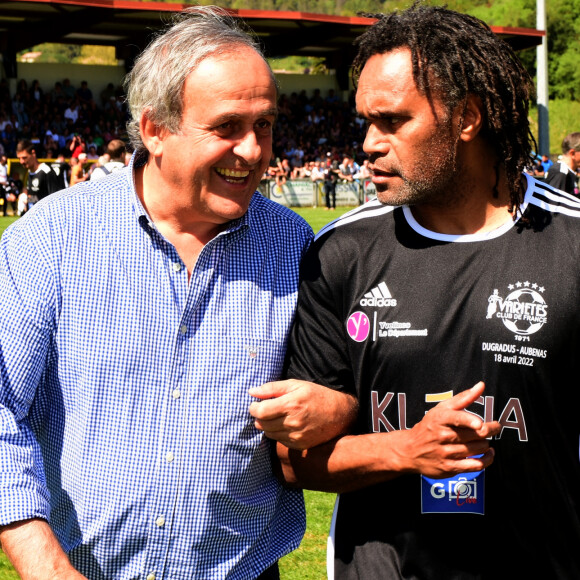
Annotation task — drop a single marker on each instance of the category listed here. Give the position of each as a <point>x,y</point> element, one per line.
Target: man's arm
<point>300,414</point>
<point>35,552</point>
<point>24,339</point>
<point>442,444</point>
<point>343,174</point>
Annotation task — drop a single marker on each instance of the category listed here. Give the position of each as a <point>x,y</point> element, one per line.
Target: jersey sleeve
<point>557,179</point>
<point>317,350</point>
<point>25,331</point>
<point>53,182</point>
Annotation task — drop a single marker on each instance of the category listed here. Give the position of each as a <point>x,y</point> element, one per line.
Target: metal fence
<point>305,193</point>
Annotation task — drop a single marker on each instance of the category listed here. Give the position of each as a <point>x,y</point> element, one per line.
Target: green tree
<point>563,49</point>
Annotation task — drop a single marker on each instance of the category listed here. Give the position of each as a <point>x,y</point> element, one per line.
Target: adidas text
<point>378,302</point>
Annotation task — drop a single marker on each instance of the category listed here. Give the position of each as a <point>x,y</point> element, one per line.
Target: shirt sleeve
<point>25,331</point>
<point>317,349</point>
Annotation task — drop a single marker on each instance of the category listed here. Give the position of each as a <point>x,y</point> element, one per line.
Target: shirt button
<point>183,329</point>
<point>151,576</point>
<point>169,457</point>
<point>160,522</point>
<point>176,394</point>
<point>176,266</point>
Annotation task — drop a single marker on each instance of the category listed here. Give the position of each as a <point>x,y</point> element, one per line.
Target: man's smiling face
<point>225,141</point>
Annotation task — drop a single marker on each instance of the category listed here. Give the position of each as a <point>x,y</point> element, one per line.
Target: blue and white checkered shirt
<point>124,389</point>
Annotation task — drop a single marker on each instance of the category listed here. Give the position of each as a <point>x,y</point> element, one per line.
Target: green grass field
<point>309,561</point>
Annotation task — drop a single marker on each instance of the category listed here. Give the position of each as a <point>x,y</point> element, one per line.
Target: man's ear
<point>151,135</point>
<point>472,118</point>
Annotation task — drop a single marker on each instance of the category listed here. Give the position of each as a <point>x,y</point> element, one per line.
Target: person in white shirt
<point>116,150</point>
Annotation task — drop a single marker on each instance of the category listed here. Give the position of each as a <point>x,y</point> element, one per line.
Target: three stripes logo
<point>378,296</point>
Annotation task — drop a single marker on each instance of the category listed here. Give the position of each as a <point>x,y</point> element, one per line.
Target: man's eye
<point>392,120</point>
<point>387,123</point>
<point>264,125</point>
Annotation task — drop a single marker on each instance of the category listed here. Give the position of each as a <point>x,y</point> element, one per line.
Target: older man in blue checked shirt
<point>143,308</point>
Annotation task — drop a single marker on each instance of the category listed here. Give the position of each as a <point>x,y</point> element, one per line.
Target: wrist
<point>396,453</point>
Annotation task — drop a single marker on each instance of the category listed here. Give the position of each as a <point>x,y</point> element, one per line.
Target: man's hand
<point>300,414</point>
<point>441,445</point>
<point>444,442</point>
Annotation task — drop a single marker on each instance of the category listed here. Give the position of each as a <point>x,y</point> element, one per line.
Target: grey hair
<point>571,141</point>
<point>155,84</point>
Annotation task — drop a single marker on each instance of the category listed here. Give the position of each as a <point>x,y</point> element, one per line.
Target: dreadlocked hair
<point>455,55</point>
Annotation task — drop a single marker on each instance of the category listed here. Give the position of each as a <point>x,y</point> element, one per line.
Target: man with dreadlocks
<point>463,270</point>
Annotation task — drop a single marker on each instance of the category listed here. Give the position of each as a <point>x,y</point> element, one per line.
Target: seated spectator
<point>116,152</point>
<point>546,163</point>
<point>538,170</point>
<point>68,88</point>
<point>304,171</point>
<point>8,138</point>
<point>107,94</point>
<point>364,172</point>
<point>3,170</point>
<point>283,173</point>
<point>92,153</point>
<point>71,113</point>
<point>36,91</point>
<point>77,146</point>
<point>77,172</point>
<point>317,172</point>
<point>57,92</point>
<point>84,94</point>
<point>272,169</point>
<point>347,169</point>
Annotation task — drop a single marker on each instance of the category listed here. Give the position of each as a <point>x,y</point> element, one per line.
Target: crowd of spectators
<point>316,137</point>
<point>72,120</point>
<point>64,120</point>
<point>315,128</point>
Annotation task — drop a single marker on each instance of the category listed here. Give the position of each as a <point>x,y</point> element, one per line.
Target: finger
<point>451,467</point>
<point>290,440</point>
<point>489,429</point>
<point>272,390</point>
<point>465,435</point>
<point>270,425</point>
<point>278,433</point>
<point>268,409</point>
<point>476,463</point>
<point>457,420</point>
<point>465,398</point>
<point>463,450</point>
<point>279,436</point>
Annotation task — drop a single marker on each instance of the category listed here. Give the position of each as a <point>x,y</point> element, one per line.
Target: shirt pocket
<point>243,363</point>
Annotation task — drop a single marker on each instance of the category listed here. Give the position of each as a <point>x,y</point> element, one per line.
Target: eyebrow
<point>272,112</point>
<point>384,113</point>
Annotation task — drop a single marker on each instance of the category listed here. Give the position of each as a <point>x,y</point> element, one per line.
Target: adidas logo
<point>379,296</point>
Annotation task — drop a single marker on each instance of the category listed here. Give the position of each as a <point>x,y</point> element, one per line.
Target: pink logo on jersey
<point>358,326</point>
